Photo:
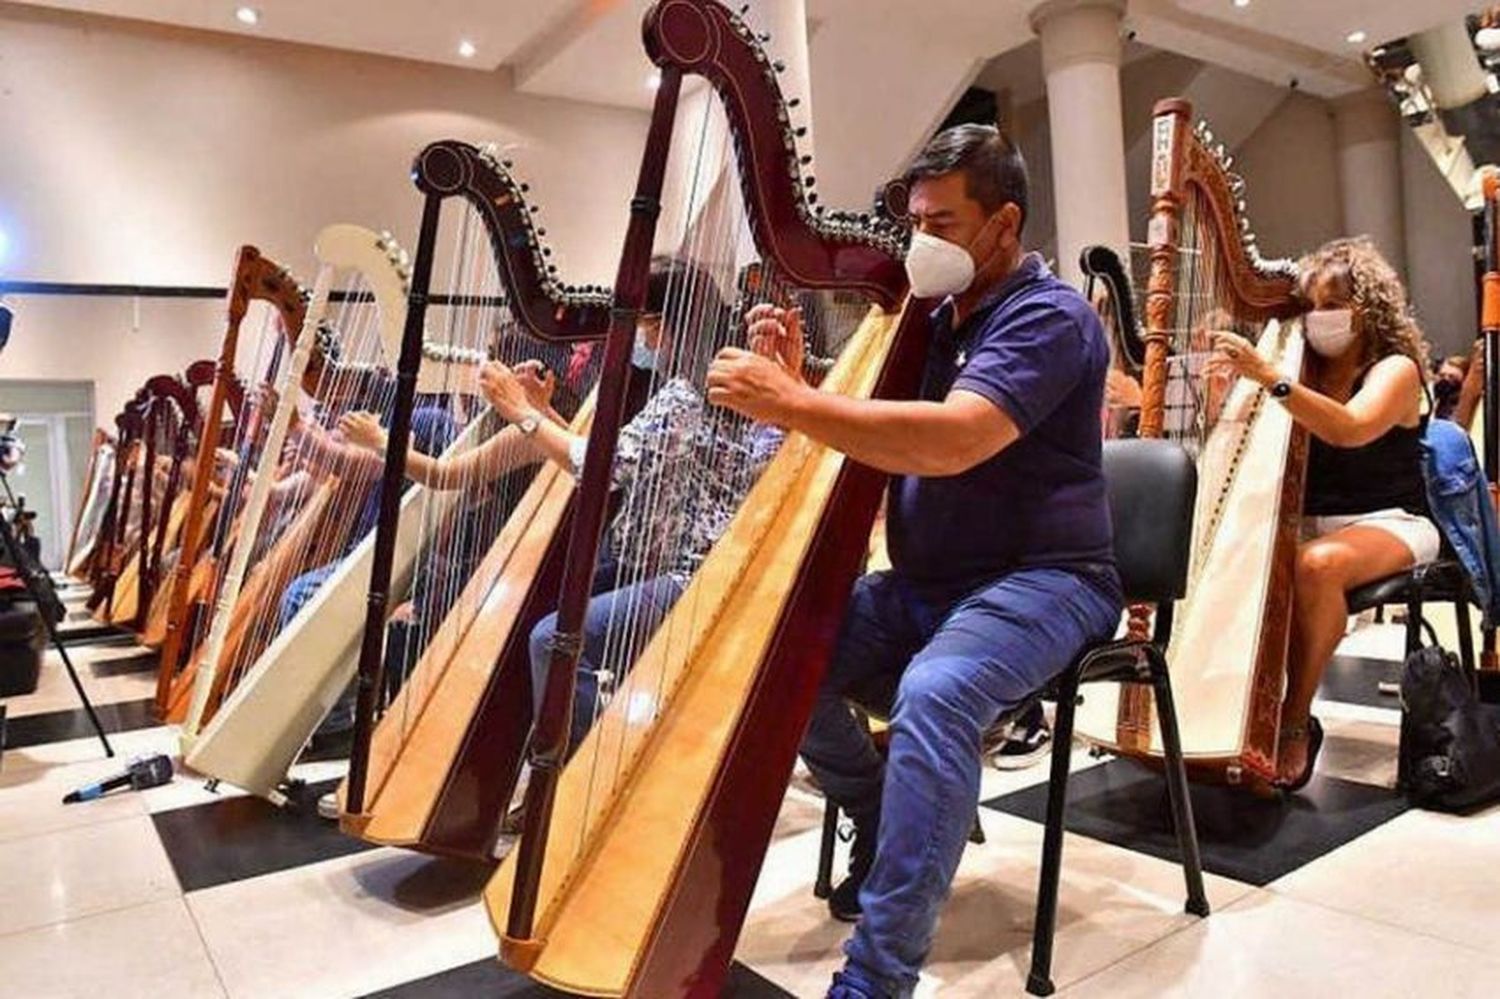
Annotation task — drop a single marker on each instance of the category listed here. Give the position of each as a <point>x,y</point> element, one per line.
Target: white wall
<point>146,155</point>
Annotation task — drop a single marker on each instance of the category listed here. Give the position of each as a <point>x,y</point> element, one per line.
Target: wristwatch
<point>1280,389</point>
<point>528,424</point>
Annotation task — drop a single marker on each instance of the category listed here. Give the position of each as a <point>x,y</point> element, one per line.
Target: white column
<point>1369,143</point>
<point>1081,59</point>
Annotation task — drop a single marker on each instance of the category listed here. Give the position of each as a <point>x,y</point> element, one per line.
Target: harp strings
<point>326,509</point>
<point>692,471</point>
<point>1201,413</point>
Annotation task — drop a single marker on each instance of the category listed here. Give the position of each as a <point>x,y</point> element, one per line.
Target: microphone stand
<point>20,558</point>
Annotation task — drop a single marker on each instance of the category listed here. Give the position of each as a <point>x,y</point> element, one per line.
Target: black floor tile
<point>244,837</point>
<point>1356,680</point>
<point>144,661</point>
<point>1249,839</point>
<point>57,726</point>
<point>493,980</point>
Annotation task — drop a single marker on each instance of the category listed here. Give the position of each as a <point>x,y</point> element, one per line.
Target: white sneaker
<point>328,806</point>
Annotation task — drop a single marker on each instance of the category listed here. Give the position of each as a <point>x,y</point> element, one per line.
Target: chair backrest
<point>1153,485</point>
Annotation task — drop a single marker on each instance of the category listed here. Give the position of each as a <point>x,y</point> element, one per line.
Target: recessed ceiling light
<point>466,49</point>
<point>1242,3</point>
<point>247,15</point>
<point>1355,37</point>
<point>653,81</point>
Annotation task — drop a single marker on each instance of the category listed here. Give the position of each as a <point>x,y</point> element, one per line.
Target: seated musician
<point>694,468</point>
<point>1003,563</point>
<point>1365,507</point>
<point>669,433</point>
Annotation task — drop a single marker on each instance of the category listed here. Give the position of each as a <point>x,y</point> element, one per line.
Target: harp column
<point>1369,144</point>
<point>1081,60</point>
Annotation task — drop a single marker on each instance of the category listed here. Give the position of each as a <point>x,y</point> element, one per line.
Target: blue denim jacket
<point>1458,495</point>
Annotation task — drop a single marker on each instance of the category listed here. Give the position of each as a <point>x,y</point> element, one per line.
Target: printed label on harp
<point>1161,154</point>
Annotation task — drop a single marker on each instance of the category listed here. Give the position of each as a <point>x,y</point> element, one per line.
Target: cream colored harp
<point>1229,641</point>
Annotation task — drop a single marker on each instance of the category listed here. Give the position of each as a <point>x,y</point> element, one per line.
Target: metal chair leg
<point>1465,638</point>
<point>1413,626</point>
<point>823,886</point>
<point>1039,981</point>
<point>1177,789</point>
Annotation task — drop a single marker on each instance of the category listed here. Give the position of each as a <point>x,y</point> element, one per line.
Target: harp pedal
<point>211,785</point>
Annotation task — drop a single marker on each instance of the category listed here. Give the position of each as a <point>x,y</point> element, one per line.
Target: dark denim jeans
<point>637,608</point>
<point>945,668</point>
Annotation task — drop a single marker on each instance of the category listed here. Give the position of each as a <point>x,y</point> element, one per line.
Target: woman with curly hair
<point>1365,509</point>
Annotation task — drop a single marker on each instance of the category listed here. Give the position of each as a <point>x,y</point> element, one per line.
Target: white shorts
<point>1419,534</point>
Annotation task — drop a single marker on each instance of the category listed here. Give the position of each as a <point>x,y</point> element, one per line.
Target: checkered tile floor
<point>182,892</point>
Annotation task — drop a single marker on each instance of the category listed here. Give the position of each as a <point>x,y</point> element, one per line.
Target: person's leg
<point>1326,569</point>
<point>995,649</point>
<point>616,626</point>
<point>881,631</point>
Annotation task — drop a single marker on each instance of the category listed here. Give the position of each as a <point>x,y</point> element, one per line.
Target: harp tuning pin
<point>806,159</point>
<point>507,163</point>
<point>546,251</point>
<point>764,37</point>
<point>779,66</point>
<point>812,199</point>
<point>744,10</point>
<point>525,188</point>
<point>800,131</point>
<point>541,232</point>
<point>809,180</point>
<point>794,102</point>
<point>551,268</point>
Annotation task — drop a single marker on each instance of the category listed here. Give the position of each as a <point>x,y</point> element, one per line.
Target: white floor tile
<point>344,927</point>
<point>31,799</point>
<point>1113,902</point>
<point>1268,945</point>
<point>78,872</point>
<point>1423,871</point>
<point>151,951</point>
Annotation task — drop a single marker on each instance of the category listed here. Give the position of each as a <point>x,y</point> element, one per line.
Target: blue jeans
<point>945,667</point>
<point>641,607</point>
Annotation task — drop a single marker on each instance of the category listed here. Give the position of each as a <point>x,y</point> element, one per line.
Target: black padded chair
<point>1440,581</point>
<point>1152,486</point>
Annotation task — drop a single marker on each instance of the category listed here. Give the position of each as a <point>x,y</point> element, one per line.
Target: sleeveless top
<point>1380,475</point>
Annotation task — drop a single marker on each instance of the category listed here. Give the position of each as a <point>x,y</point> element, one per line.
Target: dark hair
<point>994,169</point>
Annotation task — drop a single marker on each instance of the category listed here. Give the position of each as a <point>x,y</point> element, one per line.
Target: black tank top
<point>1380,475</point>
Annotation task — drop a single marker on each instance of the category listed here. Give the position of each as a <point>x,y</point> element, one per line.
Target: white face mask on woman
<point>1330,332</point>
<point>936,267</point>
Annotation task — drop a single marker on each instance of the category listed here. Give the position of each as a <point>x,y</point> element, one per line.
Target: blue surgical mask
<point>642,356</point>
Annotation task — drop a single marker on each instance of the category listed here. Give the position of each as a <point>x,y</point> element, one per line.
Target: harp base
<point>520,954</point>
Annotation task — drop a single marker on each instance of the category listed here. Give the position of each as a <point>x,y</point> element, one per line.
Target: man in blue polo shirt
<point>999,537</point>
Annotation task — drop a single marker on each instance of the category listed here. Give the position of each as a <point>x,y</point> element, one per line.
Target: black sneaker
<point>1026,745</point>
<point>843,901</point>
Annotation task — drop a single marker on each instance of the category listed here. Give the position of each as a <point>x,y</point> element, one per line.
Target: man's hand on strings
<point>538,382</point>
<point>1234,355</point>
<point>505,391</point>
<point>756,386</point>
<point>363,430</point>
<point>776,333</point>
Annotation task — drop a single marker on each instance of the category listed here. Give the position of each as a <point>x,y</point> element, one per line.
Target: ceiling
<point>590,49</point>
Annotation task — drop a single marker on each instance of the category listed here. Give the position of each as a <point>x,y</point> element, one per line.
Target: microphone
<point>143,772</point>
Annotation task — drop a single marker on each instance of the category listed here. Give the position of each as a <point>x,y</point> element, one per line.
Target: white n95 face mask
<point>1330,332</point>
<point>936,267</point>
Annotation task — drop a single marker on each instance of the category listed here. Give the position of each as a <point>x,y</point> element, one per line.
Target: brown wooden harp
<point>435,769</point>
<point>636,865</point>
<point>117,529</point>
<point>1229,641</point>
<point>192,583</point>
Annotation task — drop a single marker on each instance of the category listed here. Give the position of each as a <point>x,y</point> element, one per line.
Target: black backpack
<point>1450,743</point>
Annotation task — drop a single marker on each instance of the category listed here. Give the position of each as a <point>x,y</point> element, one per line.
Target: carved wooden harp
<point>116,529</point>
<point>657,827</point>
<point>193,581</point>
<point>256,734</point>
<point>436,768</point>
<point>1229,641</point>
